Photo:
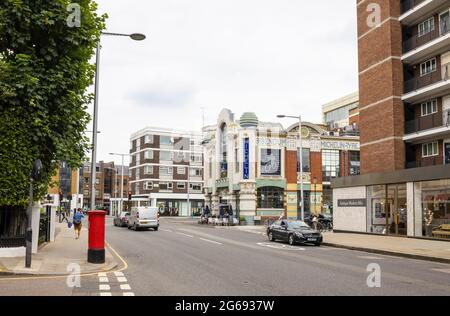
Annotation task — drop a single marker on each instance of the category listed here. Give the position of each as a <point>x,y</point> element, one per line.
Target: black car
<point>294,232</point>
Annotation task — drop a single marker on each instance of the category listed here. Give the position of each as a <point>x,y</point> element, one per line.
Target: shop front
<point>383,204</point>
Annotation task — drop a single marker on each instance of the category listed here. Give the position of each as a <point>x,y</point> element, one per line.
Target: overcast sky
<point>265,56</point>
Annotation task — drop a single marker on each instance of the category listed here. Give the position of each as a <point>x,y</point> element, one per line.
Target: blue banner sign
<point>246,159</point>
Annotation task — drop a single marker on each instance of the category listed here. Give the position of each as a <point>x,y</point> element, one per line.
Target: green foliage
<point>45,72</point>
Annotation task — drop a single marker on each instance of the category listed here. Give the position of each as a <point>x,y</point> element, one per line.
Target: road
<point>187,259</point>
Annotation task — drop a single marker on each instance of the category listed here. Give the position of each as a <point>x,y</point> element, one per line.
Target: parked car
<point>121,220</point>
<point>294,232</point>
<point>143,217</point>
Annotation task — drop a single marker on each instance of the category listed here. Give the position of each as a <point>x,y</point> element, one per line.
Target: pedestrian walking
<point>77,218</point>
<point>314,221</point>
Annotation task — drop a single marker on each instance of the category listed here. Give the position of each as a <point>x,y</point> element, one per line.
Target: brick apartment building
<point>107,184</point>
<point>254,166</point>
<point>404,113</point>
<point>167,171</point>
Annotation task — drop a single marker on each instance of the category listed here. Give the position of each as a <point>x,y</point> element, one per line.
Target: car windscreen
<point>298,225</point>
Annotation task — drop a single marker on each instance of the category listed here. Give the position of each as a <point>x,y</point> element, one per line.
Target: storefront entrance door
<point>397,220</point>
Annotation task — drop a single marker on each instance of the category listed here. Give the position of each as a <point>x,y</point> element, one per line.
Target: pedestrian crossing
<point>116,284</point>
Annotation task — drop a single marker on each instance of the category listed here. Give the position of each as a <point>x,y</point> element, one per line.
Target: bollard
<point>96,249</point>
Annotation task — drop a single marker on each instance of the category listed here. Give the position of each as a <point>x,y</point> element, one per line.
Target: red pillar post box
<point>96,249</point>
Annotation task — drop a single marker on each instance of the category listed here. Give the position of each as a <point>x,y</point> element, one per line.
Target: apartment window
<point>138,173</point>
<point>166,140</point>
<point>196,158</point>
<point>181,185</point>
<point>97,181</point>
<point>196,187</point>
<point>429,107</point>
<point>148,170</point>
<point>148,185</point>
<point>430,149</point>
<point>149,139</point>
<point>97,193</point>
<point>428,67</point>
<point>138,144</point>
<point>86,192</point>
<point>426,27</point>
<point>165,155</point>
<point>138,159</point>
<point>181,170</point>
<point>166,186</point>
<point>165,171</point>
<point>148,154</point>
<point>194,172</point>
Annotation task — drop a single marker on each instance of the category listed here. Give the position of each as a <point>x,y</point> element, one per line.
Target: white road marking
<point>128,294</point>
<point>370,258</point>
<point>104,287</point>
<point>281,247</point>
<point>102,274</point>
<point>190,236</point>
<point>167,230</point>
<point>106,294</point>
<point>103,280</point>
<point>121,279</point>
<point>125,287</point>
<point>118,274</point>
<point>211,241</point>
<point>442,270</point>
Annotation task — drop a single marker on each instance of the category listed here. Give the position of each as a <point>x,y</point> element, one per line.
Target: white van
<point>143,217</point>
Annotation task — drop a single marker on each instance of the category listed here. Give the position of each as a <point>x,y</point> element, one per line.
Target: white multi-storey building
<point>166,170</point>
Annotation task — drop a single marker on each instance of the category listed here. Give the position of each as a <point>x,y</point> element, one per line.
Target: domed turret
<point>249,119</point>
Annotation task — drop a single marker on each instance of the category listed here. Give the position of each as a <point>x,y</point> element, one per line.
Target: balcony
<point>428,86</point>
<point>418,48</point>
<point>425,162</point>
<point>412,11</point>
<point>407,5</point>
<point>424,123</point>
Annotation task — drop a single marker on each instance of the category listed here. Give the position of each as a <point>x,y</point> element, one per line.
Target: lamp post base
<point>96,256</point>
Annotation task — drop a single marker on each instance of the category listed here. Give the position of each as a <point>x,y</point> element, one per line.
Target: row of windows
<point>166,186</point>
<point>165,155</point>
<point>166,171</point>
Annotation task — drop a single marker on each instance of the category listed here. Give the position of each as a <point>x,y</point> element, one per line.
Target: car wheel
<point>134,227</point>
<point>156,228</point>
<point>291,240</point>
<point>317,244</point>
<point>270,235</point>
<point>129,227</point>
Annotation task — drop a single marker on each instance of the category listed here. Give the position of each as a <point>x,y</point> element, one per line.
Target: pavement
<point>55,258</point>
<point>422,249</point>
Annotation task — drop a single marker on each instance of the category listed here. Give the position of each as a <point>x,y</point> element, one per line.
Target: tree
<point>45,73</point>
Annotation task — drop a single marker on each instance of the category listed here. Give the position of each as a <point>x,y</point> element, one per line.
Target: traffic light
<point>129,196</point>
<point>61,196</point>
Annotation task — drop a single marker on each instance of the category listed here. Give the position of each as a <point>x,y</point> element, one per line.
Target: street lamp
<point>121,179</point>
<point>135,37</point>
<point>301,160</point>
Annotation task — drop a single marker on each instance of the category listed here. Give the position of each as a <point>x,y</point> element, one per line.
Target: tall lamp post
<point>302,198</point>
<point>121,179</point>
<point>135,37</point>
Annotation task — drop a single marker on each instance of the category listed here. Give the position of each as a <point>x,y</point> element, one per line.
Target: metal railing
<point>429,79</point>
<point>424,162</point>
<point>424,123</point>
<point>407,5</point>
<point>12,227</point>
<point>417,41</point>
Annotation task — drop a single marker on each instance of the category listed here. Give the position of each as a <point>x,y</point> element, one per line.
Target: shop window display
<point>435,197</point>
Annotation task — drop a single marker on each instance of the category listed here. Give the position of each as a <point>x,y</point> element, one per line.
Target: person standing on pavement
<point>77,218</point>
